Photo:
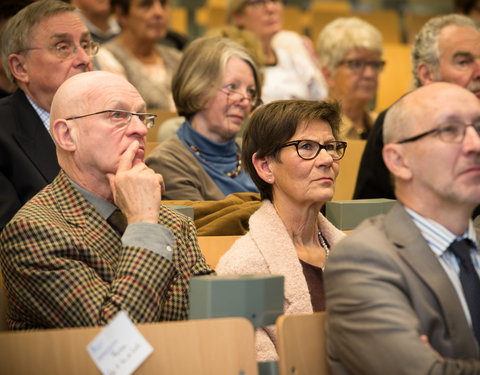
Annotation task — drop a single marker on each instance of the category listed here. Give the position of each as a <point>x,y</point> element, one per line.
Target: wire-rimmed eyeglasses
<point>64,50</point>
<point>308,149</point>
<point>238,96</point>
<point>358,66</point>
<point>120,118</point>
<point>451,132</point>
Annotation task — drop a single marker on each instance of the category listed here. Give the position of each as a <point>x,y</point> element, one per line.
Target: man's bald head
<point>91,125</point>
<point>411,112</point>
<point>75,95</point>
<point>432,149</point>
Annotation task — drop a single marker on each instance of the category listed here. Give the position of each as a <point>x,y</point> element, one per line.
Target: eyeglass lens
<point>310,149</point>
<point>238,96</point>
<point>455,131</point>
<point>67,49</point>
<point>121,119</point>
<point>360,65</point>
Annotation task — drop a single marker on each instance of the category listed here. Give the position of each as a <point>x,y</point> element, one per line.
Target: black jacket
<point>28,160</point>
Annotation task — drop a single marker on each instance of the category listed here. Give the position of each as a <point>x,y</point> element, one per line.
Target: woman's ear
<point>64,135</point>
<point>263,166</point>
<point>397,164</point>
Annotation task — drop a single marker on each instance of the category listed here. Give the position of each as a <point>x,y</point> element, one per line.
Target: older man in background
<point>42,45</point>
<point>447,49</point>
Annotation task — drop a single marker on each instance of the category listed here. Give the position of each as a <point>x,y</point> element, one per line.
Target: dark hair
<point>272,125</point>
<point>8,8</point>
<point>464,6</point>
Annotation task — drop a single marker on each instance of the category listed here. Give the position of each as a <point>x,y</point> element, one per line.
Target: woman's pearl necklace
<point>324,245</point>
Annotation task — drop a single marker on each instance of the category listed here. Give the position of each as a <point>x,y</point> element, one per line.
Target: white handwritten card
<point>119,348</point>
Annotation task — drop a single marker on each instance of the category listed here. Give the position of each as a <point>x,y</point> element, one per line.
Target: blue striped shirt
<point>44,115</point>
<point>439,239</point>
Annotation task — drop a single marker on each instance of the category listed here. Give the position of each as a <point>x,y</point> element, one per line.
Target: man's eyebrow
<point>61,36</point>
<point>455,117</point>
<point>140,108</point>
<point>452,117</point>
<point>117,105</point>
<point>85,35</point>
<point>462,54</point>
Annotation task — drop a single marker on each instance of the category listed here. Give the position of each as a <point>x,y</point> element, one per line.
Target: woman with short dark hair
<point>291,151</point>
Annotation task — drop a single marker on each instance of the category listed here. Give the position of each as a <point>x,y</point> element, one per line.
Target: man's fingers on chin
<point>127,158</point>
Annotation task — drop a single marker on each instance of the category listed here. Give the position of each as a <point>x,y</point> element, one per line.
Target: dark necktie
<point>118,221</point>
<point>470,281</point>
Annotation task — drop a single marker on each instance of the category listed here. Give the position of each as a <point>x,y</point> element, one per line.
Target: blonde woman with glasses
<point>215,88</point>
<point>350,52</point>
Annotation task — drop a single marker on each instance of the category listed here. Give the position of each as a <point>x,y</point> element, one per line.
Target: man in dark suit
<point>67,259</point>
<point>403,295</point>
<point>446,49</point>
<point>42,45</point>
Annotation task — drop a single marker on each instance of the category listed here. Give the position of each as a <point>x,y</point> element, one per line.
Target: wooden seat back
<point>213,247</point>
<point>162,115</point>
<point>301,344</point>
<point>205,347</point>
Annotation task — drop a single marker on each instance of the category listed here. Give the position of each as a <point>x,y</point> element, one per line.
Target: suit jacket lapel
<point>415,251</point>
<point>33,138</point>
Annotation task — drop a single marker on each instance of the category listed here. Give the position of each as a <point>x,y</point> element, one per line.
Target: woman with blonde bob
<point>350,52</point>
<point>291,151</point>
<point>215,88</point>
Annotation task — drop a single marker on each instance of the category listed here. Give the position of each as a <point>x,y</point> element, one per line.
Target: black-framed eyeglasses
<point>238,96</point>
<point>120,118</point>
<point>358,66</point>
<point>64,50</point>
<point>308,150</point>
<point>450,132</point>
<point>262,4</point>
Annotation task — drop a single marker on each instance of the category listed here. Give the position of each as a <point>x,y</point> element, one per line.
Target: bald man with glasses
<point>403,289</point>
<point>42,45</point>
<point>98,240</point>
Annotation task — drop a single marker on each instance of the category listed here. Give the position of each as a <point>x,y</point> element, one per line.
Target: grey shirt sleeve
<point>154,237</point>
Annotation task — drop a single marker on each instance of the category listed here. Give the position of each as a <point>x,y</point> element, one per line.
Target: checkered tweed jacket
<point>63,265</point>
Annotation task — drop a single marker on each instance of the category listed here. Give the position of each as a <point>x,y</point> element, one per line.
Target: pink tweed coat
<point>267,248</point>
